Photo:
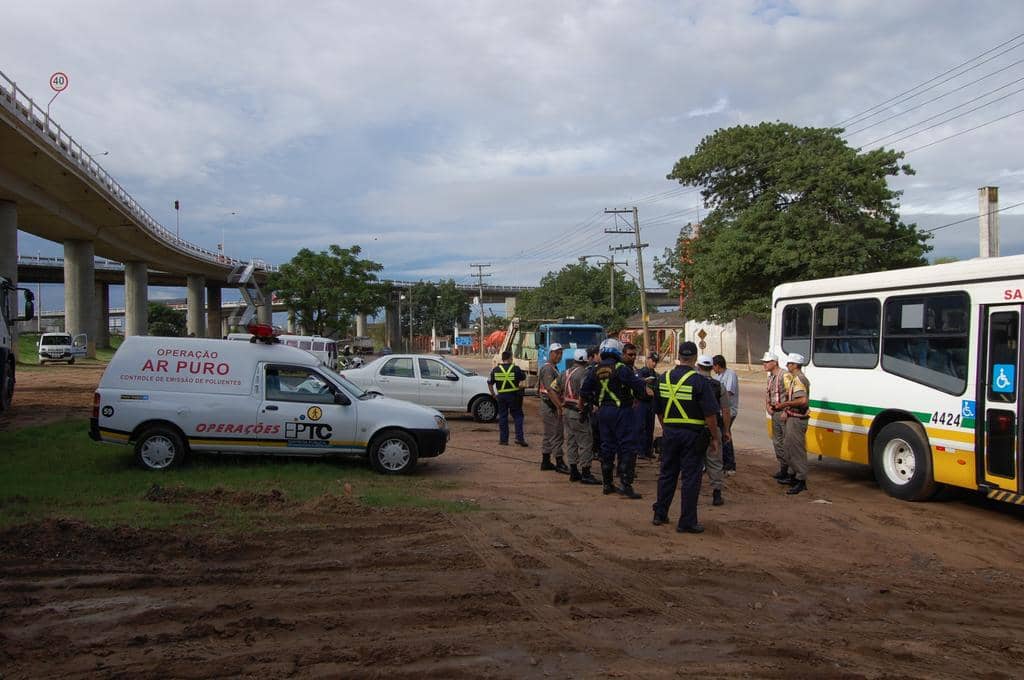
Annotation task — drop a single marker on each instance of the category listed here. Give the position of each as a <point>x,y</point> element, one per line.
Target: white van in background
<point>324,349</point>
<point>61,347</point>
<point>167,396</point>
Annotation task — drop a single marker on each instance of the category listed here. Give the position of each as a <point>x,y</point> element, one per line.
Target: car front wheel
<point>393,452</point>
<point>485,410</point>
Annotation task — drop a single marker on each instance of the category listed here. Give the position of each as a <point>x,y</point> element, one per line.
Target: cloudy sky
<point>440,134</point>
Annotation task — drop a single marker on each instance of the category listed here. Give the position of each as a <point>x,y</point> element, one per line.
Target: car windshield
<point>455,367</point>
<point>346,384</point>
<point>56,340</point>
<point>576,337</point>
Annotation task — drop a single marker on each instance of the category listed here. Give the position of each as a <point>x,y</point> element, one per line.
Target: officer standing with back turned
<point>508,380</point>
<point>686,406</point>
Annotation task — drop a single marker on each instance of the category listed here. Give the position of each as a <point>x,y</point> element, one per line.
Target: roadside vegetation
<point>57,472</point>
<point>28,356</point>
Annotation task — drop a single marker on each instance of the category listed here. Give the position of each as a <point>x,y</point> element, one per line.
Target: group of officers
<point>602,405</point>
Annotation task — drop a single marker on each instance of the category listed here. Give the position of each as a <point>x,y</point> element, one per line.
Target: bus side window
<point>796,329</point>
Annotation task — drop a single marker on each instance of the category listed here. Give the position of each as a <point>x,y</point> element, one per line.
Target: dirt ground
<point>548,580</point>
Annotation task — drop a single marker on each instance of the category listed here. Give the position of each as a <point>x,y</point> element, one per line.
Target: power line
<point>935,99</point>
<point>942,122</point>
<point>963,132</point>
<point>862,115</point>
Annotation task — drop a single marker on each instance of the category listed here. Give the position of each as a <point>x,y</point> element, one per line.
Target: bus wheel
<point>902,462</point>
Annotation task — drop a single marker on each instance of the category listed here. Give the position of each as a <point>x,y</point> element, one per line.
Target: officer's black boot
<point>783,472</point>
<point>587,477</point>
<point>716,498</point>
<point>788,480</point>
<point>609,481</point>
<point>798,486</point>
<point>560,465</point>
<point>626,475</point>
<point>628,491</point>
<point>545,463</point>
<point>574,473</point>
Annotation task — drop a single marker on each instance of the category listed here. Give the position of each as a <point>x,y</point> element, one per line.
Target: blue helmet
<point>611,346</point>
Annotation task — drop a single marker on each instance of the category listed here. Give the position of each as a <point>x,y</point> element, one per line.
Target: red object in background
<point>493,340</point>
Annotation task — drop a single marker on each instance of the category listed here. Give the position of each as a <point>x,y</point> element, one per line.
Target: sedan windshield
<point>455,367</point>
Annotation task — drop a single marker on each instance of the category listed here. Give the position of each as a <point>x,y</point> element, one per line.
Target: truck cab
<point>8,352</point>
<point>530,348</point>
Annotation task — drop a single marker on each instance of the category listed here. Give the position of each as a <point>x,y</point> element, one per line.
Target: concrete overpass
<point>52,187</point>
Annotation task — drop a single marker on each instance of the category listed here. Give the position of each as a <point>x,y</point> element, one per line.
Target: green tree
<point>581,291</point>
<point>164,321</point>
<point>945,259</point>
<point>441,305</point>
<point>328,288</point>
<point>786,204</point>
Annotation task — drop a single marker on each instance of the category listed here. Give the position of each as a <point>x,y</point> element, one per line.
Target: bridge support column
<point>9,257</point>
<point>214,314</point>
<point>195,320</point>
<point>101,298</point>
<point>361,325</point>
<point>136,299</point>
<point>79,287</point>
<point>292,321</point>
<point>510,307</point>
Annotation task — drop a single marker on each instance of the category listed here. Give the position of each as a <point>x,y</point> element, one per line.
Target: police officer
<point>713,460</point>
<point>508,380</point>
<point>795,408</point>
<point>593,359</point>
<point>611,386</point>
<point>645,406</point>
<point>686,406</point>
<point>549,389</point>
<point>578,444</point>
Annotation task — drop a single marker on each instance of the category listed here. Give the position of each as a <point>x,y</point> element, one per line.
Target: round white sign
<point>59,81</point>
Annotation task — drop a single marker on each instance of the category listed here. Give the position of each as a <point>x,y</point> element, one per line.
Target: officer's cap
<point>580,356</point>
<point>554,347</point>
<point>688,349</point>
<point>768,356</point>
<point>705,361</point>
<point>797,359</point>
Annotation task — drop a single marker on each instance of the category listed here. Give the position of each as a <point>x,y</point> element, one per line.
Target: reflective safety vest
<point>674,396</point>
<point>570,394</point>
<point>604,384</point>
<point>505,376</point>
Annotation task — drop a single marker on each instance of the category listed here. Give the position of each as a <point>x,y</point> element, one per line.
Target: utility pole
<point>638,247</point>
<point>480,279</point>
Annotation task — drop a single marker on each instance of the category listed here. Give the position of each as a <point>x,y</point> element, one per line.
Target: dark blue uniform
<point>611,386</point>
<point>682,409</point>
<point>510,399</point>
<point>645,412</point>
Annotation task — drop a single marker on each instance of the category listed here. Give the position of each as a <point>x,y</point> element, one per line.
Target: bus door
<point>999,406</point>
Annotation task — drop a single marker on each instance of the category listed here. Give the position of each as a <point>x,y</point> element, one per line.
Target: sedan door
<point>397,379</point>
<point>440,387</point>
<point>300,412</point>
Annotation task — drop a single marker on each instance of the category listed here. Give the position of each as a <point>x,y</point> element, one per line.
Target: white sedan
<point>430,380</point>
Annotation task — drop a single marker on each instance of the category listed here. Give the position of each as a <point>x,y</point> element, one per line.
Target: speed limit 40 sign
<point>59,81</point>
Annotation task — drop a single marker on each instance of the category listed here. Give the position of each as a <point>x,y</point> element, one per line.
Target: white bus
<point>914,372</point>
<point>324,349</point>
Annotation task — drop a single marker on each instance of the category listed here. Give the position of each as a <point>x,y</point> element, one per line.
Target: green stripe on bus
<point>925,418</point>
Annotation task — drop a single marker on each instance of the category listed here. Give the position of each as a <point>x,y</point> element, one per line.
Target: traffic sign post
<point>59,82</point>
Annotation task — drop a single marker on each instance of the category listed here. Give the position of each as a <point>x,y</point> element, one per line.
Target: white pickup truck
<point>60,347</point>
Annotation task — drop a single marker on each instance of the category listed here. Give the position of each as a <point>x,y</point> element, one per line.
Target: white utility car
<point>60,347</point>
<point>167,396</point>
<point>428,379</point>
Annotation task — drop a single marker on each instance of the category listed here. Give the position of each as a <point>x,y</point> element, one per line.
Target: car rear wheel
<point>160,447</point>
<point>485,410</point>
<point>393,452</point>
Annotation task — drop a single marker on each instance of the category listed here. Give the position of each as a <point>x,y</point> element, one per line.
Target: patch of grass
<point>57,471</point>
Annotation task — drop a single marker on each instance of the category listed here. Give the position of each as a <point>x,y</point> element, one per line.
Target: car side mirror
<point>451,376</point>
<point>341,399</point>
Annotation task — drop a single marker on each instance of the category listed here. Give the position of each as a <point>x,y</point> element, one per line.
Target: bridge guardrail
<point>18,103</point>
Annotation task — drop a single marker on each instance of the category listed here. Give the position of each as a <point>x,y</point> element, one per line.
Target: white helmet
<point>611,346</point>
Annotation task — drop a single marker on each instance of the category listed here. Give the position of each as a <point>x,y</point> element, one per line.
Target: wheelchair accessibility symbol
<point>967,408</point>
<point>1003,377</point>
